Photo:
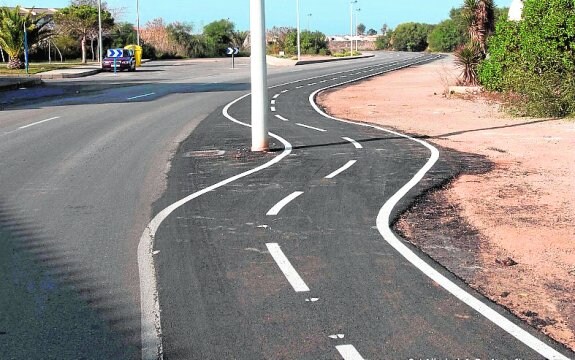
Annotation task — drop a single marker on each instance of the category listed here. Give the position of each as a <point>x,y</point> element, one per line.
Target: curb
<point>17,83</point>
<point>69,75</point>
<point>307,62</point>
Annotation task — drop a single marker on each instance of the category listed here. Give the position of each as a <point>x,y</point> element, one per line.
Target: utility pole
<point>100,47</point>
<point>260,104</point>
<point>298,32</point>
<point>351,3</point>
<point>138,22</point>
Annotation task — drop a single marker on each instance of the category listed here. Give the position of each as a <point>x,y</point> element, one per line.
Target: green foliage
<point>371,32</point>
<point>468,57</point>
<point>535,59</point>
<point>446,36</point>
<point>12,33</point>
<point>123,34</point>
<point>218,36</point>
<point>361,29</point>
<point>311,43</point>
<point>384,42</point>
<point>411,36</point>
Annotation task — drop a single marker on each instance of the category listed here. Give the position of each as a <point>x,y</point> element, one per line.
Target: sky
<point>331,17</point>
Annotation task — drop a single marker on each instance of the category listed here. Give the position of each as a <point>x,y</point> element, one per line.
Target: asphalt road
<point>85,165</point>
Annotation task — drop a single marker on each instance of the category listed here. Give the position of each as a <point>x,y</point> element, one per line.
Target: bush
<point>446,37</point>
<point>411,37</point>
<point>384,42</point>
<point>535,59</point>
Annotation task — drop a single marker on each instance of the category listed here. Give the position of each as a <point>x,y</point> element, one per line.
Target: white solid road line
<point>281,118</point>
<point>311,127</point>
<point>280,205</point>
<point>140,96</point>
<point>287,269</point>
<point>348,352</point>
<point>276,96</point>
<point>38,122</point>
<point>341,169</point>
<point>355,143</point>
<point>152,347</point>
<point>383,225</point>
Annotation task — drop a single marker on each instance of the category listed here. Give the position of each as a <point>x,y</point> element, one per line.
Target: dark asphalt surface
<point>222,296</point>
<point>83,167</point>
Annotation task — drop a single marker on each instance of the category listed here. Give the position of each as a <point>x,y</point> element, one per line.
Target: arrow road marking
<point>140,96</point>
<point>286,267</point>
<point>281,118</point>
<point>355,143</point>
<point>280,205</point>
<point>341,169</point>
<point>38,122</point>
<point>311,127</point>
<point>348,352</point>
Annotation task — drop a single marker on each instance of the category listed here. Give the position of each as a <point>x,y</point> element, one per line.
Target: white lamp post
<point>351,3</point>
<point>260,104</point>
<point>298,32</point>
<point>308,21</point>
<point>100,48</point>
<point>138,22</point>
<point>356,29</point>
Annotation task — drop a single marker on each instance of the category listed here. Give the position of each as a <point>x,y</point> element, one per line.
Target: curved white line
<point>341,169</point>
<point>383,225</point>
<point>282,203</point>
<point>152,347</point>
<point>355,143</point>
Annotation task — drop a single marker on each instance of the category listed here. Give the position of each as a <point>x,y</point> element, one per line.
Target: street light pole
<point>308,20</point>
<point>138,22</point>
<point>100,47</point>
<point>26,49</point>
<point>351,3</point>
<point>357,30</point>
<point>260,104</point>
<point>298,32</point>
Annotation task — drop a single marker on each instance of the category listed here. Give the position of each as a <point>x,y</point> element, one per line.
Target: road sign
<point>115,53</point>
<point>233,51</point>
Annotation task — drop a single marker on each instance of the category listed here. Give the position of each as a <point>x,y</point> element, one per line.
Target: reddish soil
<point>514,233</point>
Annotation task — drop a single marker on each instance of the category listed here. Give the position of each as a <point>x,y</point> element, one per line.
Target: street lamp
<point>308,19</point>
<point>100,48</point>
<point>260,104</point>
<point>351,3</point>
<point>356,29</point>
<point>138,22</point>
<point>298,32</point>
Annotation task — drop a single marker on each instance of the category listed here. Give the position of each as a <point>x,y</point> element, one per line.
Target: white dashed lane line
<point>276,96</point>
<point>281,118</point>
<point>355,143</point>
<point>311,127</point>
<point>341,169</point>
<point>284,91</point>
<point>287,269</point>
<point>280,205</point>
<point>38,123</point>
<point>349,352</point>
<point>273,108</point>
<point>140,96</point>
<point>273,102</point>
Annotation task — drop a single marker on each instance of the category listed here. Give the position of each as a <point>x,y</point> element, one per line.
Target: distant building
<point>38,11</point>
<point>516,10</point>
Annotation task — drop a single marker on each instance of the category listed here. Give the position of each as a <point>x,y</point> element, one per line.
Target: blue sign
<point>115,53</point>
<point>233,51</point>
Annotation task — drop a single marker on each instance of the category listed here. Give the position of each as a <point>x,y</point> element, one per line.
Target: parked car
<point>122,58</point>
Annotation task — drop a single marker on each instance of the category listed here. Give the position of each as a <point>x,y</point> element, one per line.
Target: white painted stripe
<point>311,127</point>
<point>334,79</point>
<point>285,91</point>
<point>383,225</point>
<point>281,118</point>
<point>273,109</point>
<point>276,96</point>
<point>38,123</point>
<point>299,87</point>
<point>280,205</point>
<point>348,352</point>
<point>323,81</point>
<point>140,96</point>
<point>312,84</point>
<point>273,102</point>
<point>287,269</point>
<point>355,143</point>
<point>341,169</point>
<point>152,347</point>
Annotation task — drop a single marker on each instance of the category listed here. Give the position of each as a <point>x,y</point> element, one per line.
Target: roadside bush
<point>446,37</point>
<point>384,42</point>
<point>311,42</point>
<point>411,37</point>
<point>535,59</point>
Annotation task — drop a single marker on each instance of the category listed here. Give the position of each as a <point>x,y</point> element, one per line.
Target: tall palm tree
<point>12,33</point>
<point>479,15</point>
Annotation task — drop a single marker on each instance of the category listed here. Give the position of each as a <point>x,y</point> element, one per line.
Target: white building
<point>516,10</point>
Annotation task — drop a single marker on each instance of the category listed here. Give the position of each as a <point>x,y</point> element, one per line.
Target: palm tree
<point>12,33</point>
<point>479,15</point>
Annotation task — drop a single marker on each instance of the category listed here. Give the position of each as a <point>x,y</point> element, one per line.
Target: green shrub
<point>446,37</point>
<point>411,36</point>
<point>535,59</point>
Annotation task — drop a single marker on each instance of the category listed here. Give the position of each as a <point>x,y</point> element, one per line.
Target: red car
<point>122,59</point>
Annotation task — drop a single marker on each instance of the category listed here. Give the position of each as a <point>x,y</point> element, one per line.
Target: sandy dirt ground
<point>516,221</point>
